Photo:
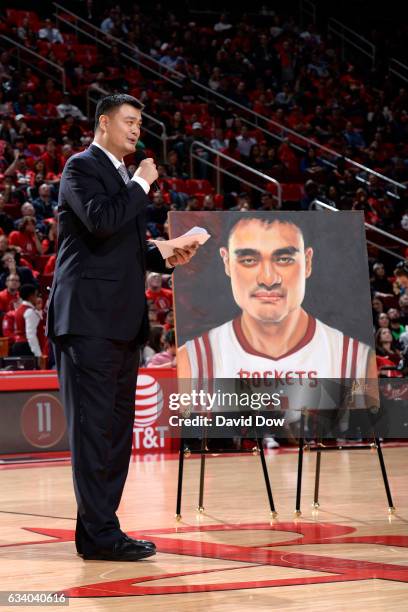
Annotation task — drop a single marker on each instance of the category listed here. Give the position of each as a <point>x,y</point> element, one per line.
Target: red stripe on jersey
<point>199,359</point>
<point>209,356</point>
<point>354,359</point>
<point>310,331</point>
<point>346,341</point>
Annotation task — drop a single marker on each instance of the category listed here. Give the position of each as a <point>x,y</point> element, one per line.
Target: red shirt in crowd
<point>50,265</point>
<point>53,164</point>
<point>9,301</point>
<point>162,299</point>
<point>25,241</point>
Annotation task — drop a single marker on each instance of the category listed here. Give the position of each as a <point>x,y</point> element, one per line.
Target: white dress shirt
<point>116,162</point>
<point>32,318</point>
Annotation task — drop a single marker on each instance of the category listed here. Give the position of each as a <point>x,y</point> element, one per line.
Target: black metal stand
<point>317,479</point>
<point>319,448</point>
<point>203,451</point>
<point>384,475</point>
<point>267,481</point>
<point>300,465</point>
<point>180,479</point>
<point>202,472</point>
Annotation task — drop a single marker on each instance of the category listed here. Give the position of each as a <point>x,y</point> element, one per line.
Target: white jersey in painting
<point>323,353</point>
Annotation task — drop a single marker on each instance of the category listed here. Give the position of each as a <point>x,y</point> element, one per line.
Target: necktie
<point>124,173</point>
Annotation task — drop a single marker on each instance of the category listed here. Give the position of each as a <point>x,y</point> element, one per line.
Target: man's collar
<point>115,161</point>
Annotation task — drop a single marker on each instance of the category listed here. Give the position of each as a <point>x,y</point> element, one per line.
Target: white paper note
<point>195,234</point>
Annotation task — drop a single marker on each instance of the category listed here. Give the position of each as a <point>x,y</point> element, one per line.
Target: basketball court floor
<point>348,555</point>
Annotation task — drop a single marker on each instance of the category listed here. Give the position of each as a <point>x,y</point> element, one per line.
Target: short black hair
<point>267,218</point>
<point>26,291</point>
<point>109,103</point>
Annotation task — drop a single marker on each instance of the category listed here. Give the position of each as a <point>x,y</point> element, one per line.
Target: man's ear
<point>103,122</point>
<point>308,258</point>
<point>225,258</point>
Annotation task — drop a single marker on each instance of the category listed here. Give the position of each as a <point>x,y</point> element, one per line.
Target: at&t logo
<point>148,408</point>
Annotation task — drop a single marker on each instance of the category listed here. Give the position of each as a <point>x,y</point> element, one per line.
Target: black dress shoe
<point>128,539</point>
<point>139,542</point>
<point>124,549</point>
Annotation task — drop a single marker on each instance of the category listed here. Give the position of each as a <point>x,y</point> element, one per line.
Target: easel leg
<point>391,508</point>
<point>300,466</point>
<point>267,481</point>
<point>317,479</point>
<point>180,479</point>
<point>202,471</point>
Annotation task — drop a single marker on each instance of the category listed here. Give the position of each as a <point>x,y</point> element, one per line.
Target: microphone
<point>140,155</point>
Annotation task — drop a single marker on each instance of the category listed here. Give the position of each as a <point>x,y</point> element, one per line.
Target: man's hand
<point>183,256</point>
<point>147,170</point>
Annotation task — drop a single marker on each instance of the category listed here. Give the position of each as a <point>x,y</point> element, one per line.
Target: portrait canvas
<point>274,292</point>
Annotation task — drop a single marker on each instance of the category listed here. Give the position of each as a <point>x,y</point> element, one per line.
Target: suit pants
<point>97,382</point>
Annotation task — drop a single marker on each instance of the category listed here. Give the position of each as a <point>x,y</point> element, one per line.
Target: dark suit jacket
<point>99,281</point>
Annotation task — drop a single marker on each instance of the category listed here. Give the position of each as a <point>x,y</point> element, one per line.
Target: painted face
<point>268,266</point>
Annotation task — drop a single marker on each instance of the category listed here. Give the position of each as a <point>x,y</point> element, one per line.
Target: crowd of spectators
<point>390,316</point>
<point>293,76</point>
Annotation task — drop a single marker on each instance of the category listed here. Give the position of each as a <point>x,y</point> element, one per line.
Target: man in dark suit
<point>97,319</point>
